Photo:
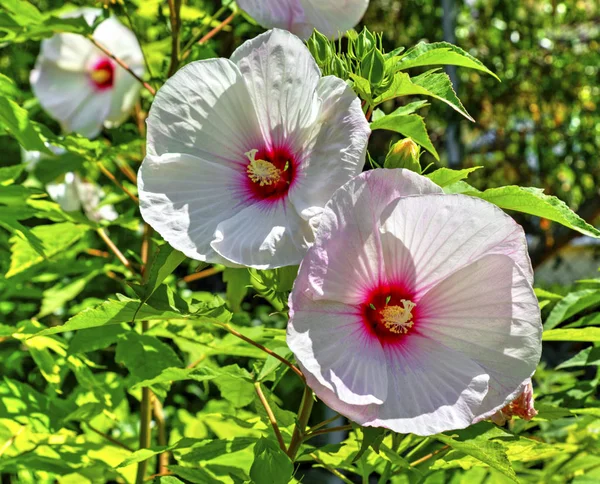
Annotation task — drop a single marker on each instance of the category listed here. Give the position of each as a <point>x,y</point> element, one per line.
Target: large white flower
<point>79,85</point>
<point>414,310</point>
<point>330,17</point>
<point>243,154</point>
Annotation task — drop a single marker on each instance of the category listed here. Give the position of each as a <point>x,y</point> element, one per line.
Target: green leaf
<point>440,53</point>
<point>440,86</point>
<point>270,464</point>
<point>570,305</point>
<point>57,296</point>
<point>372,437</point>
<point>145,357</point>
<point>164,262</point>
<point>111,312</point>
<point>16,121</point>
<point>92,339</point>
<point>238,281</point>
<point>171,374</point>
<point>235,385</point>
<point>9,174</point>
<point>411,126</point>
<point>447,176</point>
<point>488,452</point>
<point>534,202</point>
<point>55,239</point>
<point>591,334</point>
<point>586,357</point>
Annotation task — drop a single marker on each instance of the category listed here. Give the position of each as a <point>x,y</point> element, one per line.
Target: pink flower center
<point>270,172</point>
<point>389,313</point>
<point>102,74</point>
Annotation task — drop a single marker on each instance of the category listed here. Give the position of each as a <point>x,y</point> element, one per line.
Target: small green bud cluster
<point>363,56</point>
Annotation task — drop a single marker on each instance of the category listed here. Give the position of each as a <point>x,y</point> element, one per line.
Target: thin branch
<point>310,435</point>
<point>209,35</point>
<point>154,476</point>
<point>194,364</point>
<point>148,87</point>
<point>112,178</point>
<point>145,249</point>
<point>131,26</point>
<point>111,245</point>
<point>429,456</point>
<point>174,14</point>
<point>145,420</point>
<point>334,471</point>
<point>261,347</point>
<point>98,253</point>
<point>109,438</point>
<point>159,417</point>
<point>271,415</point>
<point>126,170</point>
<point>197,37</point>
<point>202,274</point>
<point>325,422</point>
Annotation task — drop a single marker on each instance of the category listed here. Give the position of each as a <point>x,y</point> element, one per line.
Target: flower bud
<point>338,68</point>
<point>372,67</point>
<point>364,43</point>
<point>404,154</point>
<point>320,47</point>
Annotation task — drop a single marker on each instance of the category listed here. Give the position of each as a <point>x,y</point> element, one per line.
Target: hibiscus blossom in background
<point>243,154</point>
<point>330,17</point>
<point>414,310</point>
<point>72,193</point>
<point>80,86</point>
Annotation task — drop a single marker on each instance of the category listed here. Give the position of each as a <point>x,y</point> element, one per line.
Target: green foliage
<point>84,336</point>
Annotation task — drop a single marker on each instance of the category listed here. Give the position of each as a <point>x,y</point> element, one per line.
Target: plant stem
<point>310,435</point>
<point>111,245</point>
<point>137,37</point>
<point>270,415</point>
<point>334,471</point>
<point>322,424</point>
<point>159,417</point>
<point>112,178</point>
<point>175,17</point>
<point>263,348</point>
<point>303,416</point>
<point>199,38</point>
<point>429,456</point>
<point>148,87</point>
<point>203,274</point>
<point>145,419</point>
<point>418,447</point>
<point>109,438</point>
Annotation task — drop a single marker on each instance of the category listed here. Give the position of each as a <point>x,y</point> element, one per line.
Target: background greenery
<point>70,402</point>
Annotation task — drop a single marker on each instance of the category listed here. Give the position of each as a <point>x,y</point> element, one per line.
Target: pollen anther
<point>398,319</point>
<point>100,76</point>
<point>261,171</point>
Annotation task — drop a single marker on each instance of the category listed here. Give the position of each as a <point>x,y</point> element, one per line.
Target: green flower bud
<point>372,67</point>
<point>364,43</point>
<point>320,47</point>
<point>338,68</point>
<point>404,154</point>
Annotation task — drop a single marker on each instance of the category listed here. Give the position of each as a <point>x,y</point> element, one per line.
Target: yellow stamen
<point>398,319</point>
<point>100,76</point>
<point>262,171</point>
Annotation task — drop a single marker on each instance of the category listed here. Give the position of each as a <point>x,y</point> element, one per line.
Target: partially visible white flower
<point>79,85</point>
<point>72,194</point>
<point>301,17</point>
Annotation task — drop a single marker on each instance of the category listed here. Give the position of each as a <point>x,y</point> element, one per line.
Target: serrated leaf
<point>270,464</point>
<point>570,305</point>
<point>440,86</point>
<point>533,201</point>
<point>92,339</point>
<point>590,334</point>
<point>440,53</point>
<point>169,375</point>
<point>447,176</point>
<point>164,262</point>
<point>55,239</point>
<point>488,452</point>
<point>411,126</point>
<point>372,437</point>
<point>236,386</point>
<point>238,281</point>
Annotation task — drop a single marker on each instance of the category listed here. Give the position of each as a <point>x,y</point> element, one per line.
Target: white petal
<point>330,341</point>
<point>70,98</point>
<point>122,42</point>
<point>330,17</point>
<point>65,193</point>
<point>263,235</point>
<point>282,79</point>
<point>184,198</point>
<point>347,258</point>
<point>447,232</point>
<point>69,52</point>
<point>339,149</point>
<point>91,196</point>
<point>488,312</point>
<point>204,110</point>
